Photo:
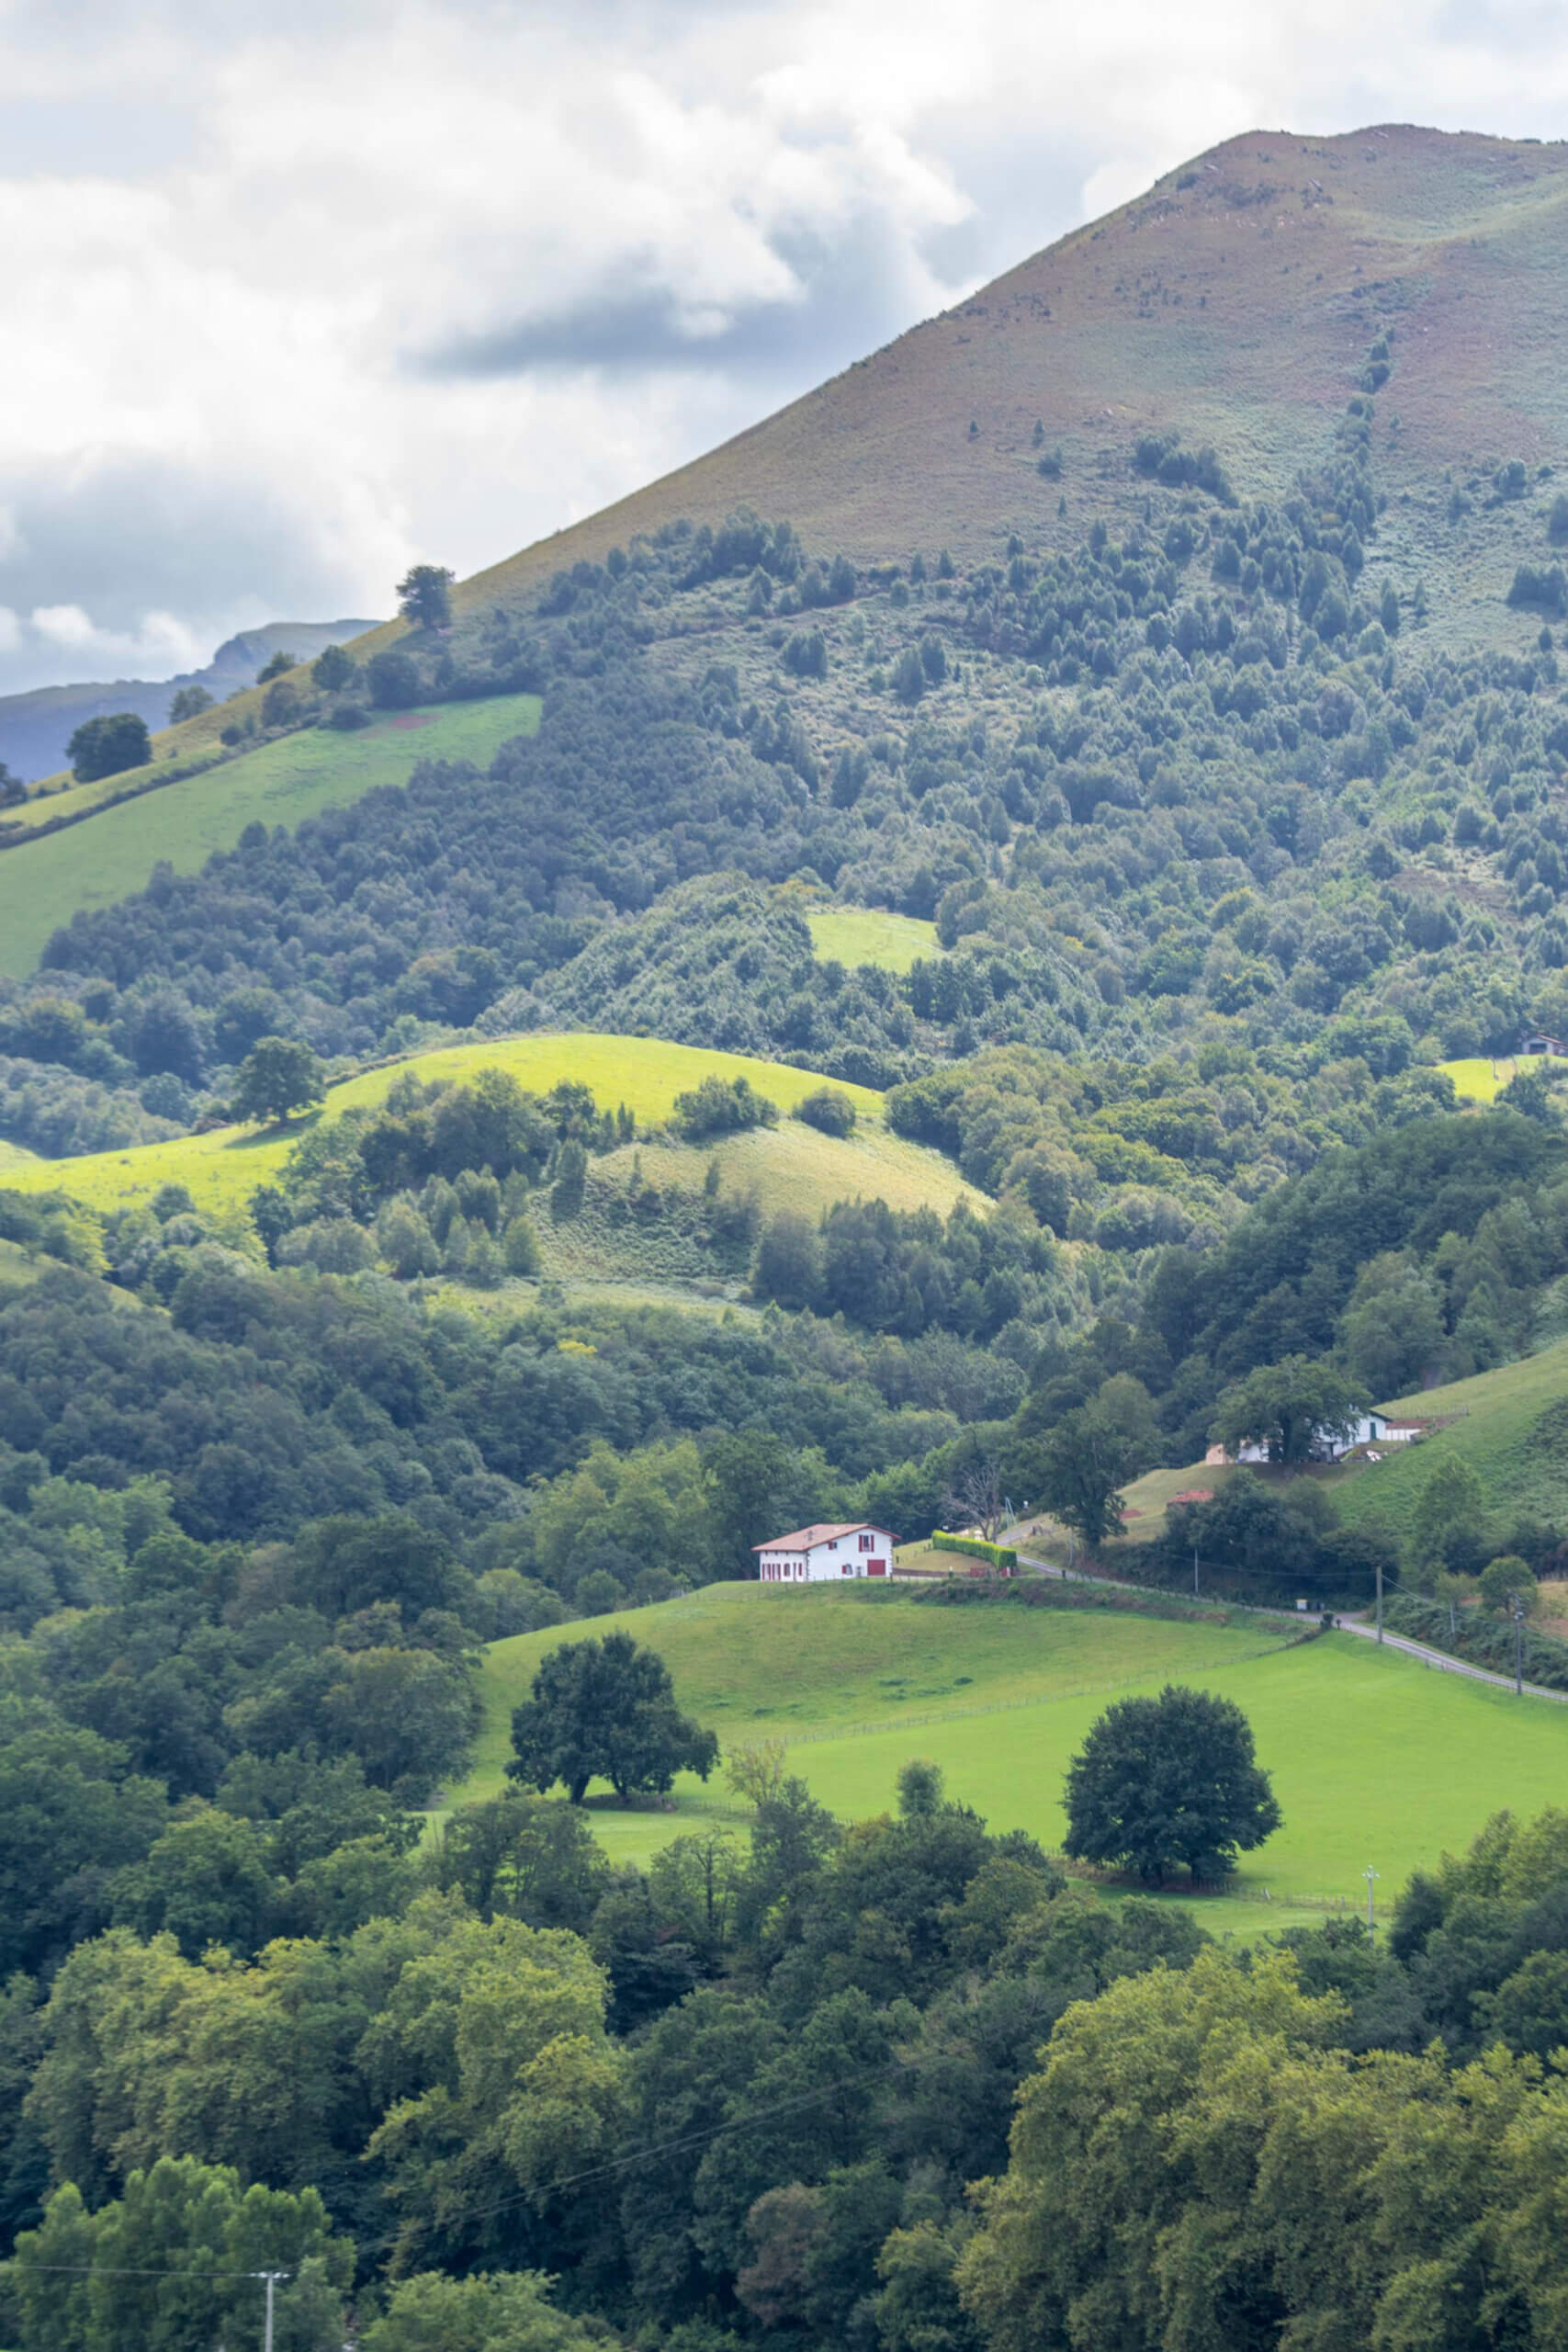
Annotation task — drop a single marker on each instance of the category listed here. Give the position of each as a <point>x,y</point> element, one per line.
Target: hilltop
<point>1232,301</point>
<point>1230,304</point>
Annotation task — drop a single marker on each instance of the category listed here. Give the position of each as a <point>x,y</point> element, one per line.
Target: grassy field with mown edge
<point>1375,1758</point>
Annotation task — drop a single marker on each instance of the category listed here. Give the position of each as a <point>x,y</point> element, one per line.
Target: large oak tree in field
<point>1169,1781</point>
<point>606,1709</point>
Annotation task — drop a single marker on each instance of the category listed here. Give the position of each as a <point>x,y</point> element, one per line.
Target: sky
<point>299,295</point>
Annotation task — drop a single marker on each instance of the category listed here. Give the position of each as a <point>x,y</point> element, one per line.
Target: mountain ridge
<point>1411,254</point>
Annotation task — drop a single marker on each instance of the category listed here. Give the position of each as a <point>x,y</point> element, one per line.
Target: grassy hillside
<point>1481,1079</point>
<point>1375,1758</point>
<point>43,882</point>
<point>790,1164</point>
<point>1232,301</point>
<point>870,935</point>
<point>1522,1463</point>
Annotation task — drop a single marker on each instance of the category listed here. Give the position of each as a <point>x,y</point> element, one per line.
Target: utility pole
<point>1370,1876</point>
<point>1380,1596</point>
<point>1519,1646</point>
<point>1194,1568</point>
<point>270,2278</point>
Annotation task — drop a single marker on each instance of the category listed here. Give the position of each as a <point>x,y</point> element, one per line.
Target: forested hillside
<point>1172,634</point>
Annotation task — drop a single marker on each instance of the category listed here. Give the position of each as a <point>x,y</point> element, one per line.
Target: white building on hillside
<point>1332,1445</point>
<point>823,1555</point>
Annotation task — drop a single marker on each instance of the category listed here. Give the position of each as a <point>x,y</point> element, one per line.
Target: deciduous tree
<point>278,1075</point>
<point>606,1709</point>
<point>1166,1781</point>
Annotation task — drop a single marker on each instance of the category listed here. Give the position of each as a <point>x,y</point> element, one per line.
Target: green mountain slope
<point>1230,302</point>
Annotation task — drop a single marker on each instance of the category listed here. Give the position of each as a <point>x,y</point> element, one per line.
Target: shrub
<point>1547,589</point>
<point>910,675</point>
<point>721,1107</point>
<point>1557,521</point>
<point>393,681</point>
<point>334,670</point>
<point>806,655</point>
<point>1000,1557</point>
<point>828,1111</point>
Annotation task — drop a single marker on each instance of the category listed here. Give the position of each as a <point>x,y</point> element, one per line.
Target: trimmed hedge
<point>1003,1561</point>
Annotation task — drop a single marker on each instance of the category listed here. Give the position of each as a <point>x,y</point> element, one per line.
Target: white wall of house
<point>863,1552</point>
<point>1370,1429</point>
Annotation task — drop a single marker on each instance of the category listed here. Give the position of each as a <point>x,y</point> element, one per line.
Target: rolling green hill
<point>1373,1757</point>
<point>791,1164</point>
<point>118,842</point>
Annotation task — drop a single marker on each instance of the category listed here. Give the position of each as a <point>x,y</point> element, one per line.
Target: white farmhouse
<point>823,1555</point>
<point>1332,1445</point>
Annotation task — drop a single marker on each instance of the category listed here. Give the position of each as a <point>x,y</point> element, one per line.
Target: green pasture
<point>1375,1758</point>
<point>223,1167</point>
<point>112,850</point>
<point>870,935</point>
<point>1481,1079</point>
<point>1492,1423</point>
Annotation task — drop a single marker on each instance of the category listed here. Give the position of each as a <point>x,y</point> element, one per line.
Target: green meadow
<point>869,935</point>
<point>1376,1758</point>
<point>1481,1079</point>
<point>112,850</point>
<point>223,1167</point>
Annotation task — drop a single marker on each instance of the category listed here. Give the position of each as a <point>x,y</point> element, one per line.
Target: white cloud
<point>303,303</point>
<point>63,625</point>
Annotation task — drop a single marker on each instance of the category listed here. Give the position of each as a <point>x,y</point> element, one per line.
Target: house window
<point>868,1542</point>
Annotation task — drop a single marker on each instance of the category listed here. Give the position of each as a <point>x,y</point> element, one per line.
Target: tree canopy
<point>424,596</point>
<point>278,1075</point>
<point>1287,1407</point>
<point>606,1709</point>
<point>1168,1781</point>
<point>101,747</point>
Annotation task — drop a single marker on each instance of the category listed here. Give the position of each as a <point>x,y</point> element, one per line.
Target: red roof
<point>806,1539</point>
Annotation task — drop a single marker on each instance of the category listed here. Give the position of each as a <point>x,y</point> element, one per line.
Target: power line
<point>675,2144</point>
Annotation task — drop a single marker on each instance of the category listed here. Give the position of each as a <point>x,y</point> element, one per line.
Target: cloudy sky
<point>297,294</point>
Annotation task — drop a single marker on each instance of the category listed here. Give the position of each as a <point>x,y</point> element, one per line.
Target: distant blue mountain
<point>36,727</point>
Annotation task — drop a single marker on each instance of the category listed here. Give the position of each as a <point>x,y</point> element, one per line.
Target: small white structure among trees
<point>824,1555</point>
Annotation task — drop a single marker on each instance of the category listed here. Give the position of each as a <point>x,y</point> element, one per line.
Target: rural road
<point>1429,1656</point>
<point>1448,1665</point>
